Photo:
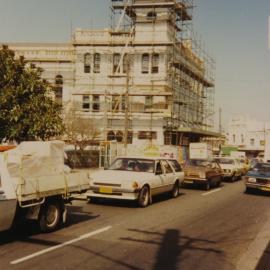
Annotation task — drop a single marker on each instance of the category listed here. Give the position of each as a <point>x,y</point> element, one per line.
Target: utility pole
<point>127,104</point>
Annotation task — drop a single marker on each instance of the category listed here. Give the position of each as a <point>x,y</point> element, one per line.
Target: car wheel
<point>175,190</point>
<point>218,183</point>
<point>50,216</point>
<point>144,197</point>
<point>94,200</point>
<point>249,190</point>
<point>208,185</point>
<point>234,178</point>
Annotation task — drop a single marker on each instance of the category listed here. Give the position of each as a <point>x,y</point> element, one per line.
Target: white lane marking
<point>211,192</point>
<point>82,237</point>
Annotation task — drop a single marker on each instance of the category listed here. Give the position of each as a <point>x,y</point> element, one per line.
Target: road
<point>198,230</point>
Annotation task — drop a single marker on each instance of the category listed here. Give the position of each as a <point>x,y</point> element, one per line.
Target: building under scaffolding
<point>145,78</point>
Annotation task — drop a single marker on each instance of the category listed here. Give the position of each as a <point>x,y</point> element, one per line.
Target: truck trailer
<point>35,184</point>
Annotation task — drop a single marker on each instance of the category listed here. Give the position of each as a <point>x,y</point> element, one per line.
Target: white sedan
<point>133,178</point>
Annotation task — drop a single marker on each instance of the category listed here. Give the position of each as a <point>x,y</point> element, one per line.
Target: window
<point>147,135</point>
<point>129,137</point>
<point>87,63</point>
<point>252,142</point>
<point>175,165</point>
<point>145,63</point>
<point>58,89</point>
<point>148,102</point>
<point>167,167</point>
<point>233,138</point>
<point>119,136</point>
<point>123,103</point>
<point>262,142</point>
<point>86,103</point>
<point>111,136</point>
<point>116,62</point>
<point>126,63</point>
<point>96,63</point>
<point>96,103</point>
<point>158,168</point>
<point>151,15</point>
<point>155,63</point>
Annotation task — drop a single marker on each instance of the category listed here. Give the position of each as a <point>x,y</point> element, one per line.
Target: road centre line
<point>211,192</point>
<point>39,253</point>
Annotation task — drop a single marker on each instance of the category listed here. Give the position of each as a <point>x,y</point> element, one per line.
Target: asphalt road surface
<point>198,230</point>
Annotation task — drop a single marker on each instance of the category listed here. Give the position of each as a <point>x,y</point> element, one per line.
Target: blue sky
<point>234,31</point>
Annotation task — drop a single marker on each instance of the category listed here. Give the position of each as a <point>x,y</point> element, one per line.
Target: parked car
<point>135,178</point>
<point>206,173</point>
<point>258,178</point>
<point>231,168</point>
<point>244,165</point>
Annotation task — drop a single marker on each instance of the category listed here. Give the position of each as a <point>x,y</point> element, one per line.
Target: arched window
<point>119,136</point>
<point>155,63</point>
<point>96,63</point>
<point>116,61</point>
<point>58,88</point>
<point>152,15</point>
<point>145,63</point>
<point>110,136</point>
<point>87,63</point>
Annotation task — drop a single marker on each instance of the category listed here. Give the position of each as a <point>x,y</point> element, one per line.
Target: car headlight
<point>252,180</point>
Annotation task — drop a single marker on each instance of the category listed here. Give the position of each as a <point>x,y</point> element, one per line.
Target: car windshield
<point>226,161</point>
<point>265,167</point>
<point>199,163</point>
<point>132,164</point>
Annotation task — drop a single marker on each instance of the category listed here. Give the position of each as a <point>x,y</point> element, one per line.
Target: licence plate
<point>105,190</point>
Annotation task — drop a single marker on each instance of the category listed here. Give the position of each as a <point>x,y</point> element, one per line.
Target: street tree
<point>27,110</point>
<point>80,131</point>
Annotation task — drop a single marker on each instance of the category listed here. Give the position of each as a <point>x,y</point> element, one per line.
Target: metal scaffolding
<point>190,70</point>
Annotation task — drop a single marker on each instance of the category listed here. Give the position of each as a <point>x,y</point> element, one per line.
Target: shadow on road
<point>76,215</point>
<point>264,263</point>
<point>27,229</point>
<point>172,245</point>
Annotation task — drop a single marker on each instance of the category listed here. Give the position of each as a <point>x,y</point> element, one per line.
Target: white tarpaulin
<point>35,159</point>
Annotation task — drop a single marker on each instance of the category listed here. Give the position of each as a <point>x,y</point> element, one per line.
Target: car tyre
<point>94,200</point>
<point>234,178</point>
<point>249,190</point>
<point>144,197</point>
<point>175,190</point>
<point>218,183</point>
<point>208,185</point>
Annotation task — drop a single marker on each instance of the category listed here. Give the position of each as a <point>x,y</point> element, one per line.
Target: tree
<point>27,110</point>
<point>80,131</point>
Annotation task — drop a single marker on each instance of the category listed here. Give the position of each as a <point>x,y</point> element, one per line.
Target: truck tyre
<point>50,216</point>
<point>175,190</point>
<point>144,197</point>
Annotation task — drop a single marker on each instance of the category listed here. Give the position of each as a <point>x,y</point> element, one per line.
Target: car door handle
<point>2,192</point>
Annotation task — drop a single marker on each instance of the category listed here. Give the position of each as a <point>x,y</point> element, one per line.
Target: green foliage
<point>27,111</point>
